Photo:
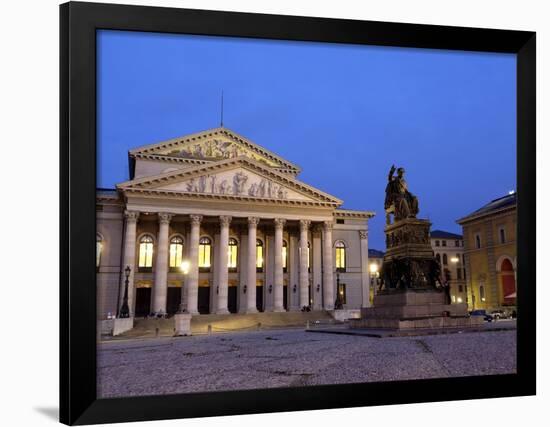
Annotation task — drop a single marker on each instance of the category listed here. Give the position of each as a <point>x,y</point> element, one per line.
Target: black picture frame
<point>78,25</point>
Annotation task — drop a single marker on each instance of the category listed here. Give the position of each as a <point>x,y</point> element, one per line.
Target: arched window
<point>98,249</point>
<point>340,256</point>
<point>259,255</point>
<point>145,262</point>
<point>176,252</point>
<point>285,256</point>
<point>438,258</point>
<point>232,254</point>
<point>205,253</point>
<point>445,262</point>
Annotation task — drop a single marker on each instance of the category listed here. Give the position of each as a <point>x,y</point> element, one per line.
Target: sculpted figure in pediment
<point>202,184</point>
<point>239,180</point>
<point>223,187</point>
<point>262,188</point>
<point>253,190</point>
<point>192,185</point>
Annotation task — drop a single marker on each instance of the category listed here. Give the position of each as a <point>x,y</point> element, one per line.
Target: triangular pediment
<point>240,177</point>
<point>212,146</point>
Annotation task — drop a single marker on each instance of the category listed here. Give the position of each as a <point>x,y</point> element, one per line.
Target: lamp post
<point>374,277</point>
<point>338,302</point>
<point>125,310</point>
<point>184,267</point>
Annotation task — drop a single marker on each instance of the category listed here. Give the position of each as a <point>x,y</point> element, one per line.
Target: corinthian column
<point>304,275</point>
<point>193,275</point>
<point>251,266</point>
<point>160,289</point>
<point>278,272</point>
<point>328,280</point>
<point>222,265</point>
<point>129,258</point>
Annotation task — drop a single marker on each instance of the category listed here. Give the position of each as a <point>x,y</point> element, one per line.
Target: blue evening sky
<point>343,113</point>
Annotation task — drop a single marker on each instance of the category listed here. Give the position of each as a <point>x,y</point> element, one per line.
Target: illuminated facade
<point>251,235</point>
<point>490,254</point>
<point>449,252</point>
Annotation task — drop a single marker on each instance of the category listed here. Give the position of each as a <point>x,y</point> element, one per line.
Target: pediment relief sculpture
<point>216,149</point>
<point>236,184</point>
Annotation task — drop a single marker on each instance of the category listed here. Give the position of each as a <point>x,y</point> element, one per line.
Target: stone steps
<point>227,323</point>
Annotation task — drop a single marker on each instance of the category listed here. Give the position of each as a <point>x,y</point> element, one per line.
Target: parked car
<point>487,317</point>
<point>499,314</point>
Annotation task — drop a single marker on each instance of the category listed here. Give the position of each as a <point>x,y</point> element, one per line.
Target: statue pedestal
<point>414,309</point>
<point>182,324</point>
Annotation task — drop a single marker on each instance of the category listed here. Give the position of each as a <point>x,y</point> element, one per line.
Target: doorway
<point>143,302</point>
<point>204,300</point>
<point>173,300</point>
<point>232,299</point>
<point>260,298</point>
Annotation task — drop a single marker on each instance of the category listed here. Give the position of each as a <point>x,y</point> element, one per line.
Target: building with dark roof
<point>449,252</point>
<point>490,253</point>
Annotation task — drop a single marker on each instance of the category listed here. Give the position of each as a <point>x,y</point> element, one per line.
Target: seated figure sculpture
<point>399,201</point>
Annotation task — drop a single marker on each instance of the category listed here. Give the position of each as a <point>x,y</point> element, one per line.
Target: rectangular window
<point>259,258</point>
<point>232,257</point>
<point>460,288</point>
<point>145,255</point>
<point>459,273</point>
<point>340,221</point>
<point>502,236</point>
<point>175,256</point>
<point>443,243</point>
<point>204,256</point>
<point>284,255</point>
<point>342,292</point>
<point>478,241</point>
<point>341,259</point>
<point>437,242</point>
<point>457,243</point>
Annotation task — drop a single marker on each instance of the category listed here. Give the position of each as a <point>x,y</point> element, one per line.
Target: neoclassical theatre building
<point>214,223</point>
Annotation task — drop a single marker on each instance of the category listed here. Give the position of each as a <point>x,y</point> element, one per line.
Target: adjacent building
<point>213,223</point>
<point>449,252</point>
<point>490,254</point>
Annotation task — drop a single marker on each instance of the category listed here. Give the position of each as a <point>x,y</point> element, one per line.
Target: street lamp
<point>125,310</point>
<point>374,276</point>
<point>184,267</point>
<point>338,302</point>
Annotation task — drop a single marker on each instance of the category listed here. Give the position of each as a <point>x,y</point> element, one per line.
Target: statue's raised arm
<point>390,175</point>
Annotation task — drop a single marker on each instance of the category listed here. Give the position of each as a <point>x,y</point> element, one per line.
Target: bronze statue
<point>399,200</point>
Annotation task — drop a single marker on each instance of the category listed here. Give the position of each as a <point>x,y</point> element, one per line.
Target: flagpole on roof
<point>221,120</point>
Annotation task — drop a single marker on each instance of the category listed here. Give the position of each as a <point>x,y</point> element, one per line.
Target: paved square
<point>292,357</point>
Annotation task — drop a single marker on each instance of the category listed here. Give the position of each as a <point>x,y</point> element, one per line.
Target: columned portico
<point>222,203</point>
<point>278,271</point>
<point>193,275</point>
<point>221,266</point>
<point>160,289</point>
<point>251,266</point>
<point>131,218</point>
<point>304,274</point>
<point>328,282</point>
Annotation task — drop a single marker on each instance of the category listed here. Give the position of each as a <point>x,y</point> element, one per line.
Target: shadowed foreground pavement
<point>282,358</point>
